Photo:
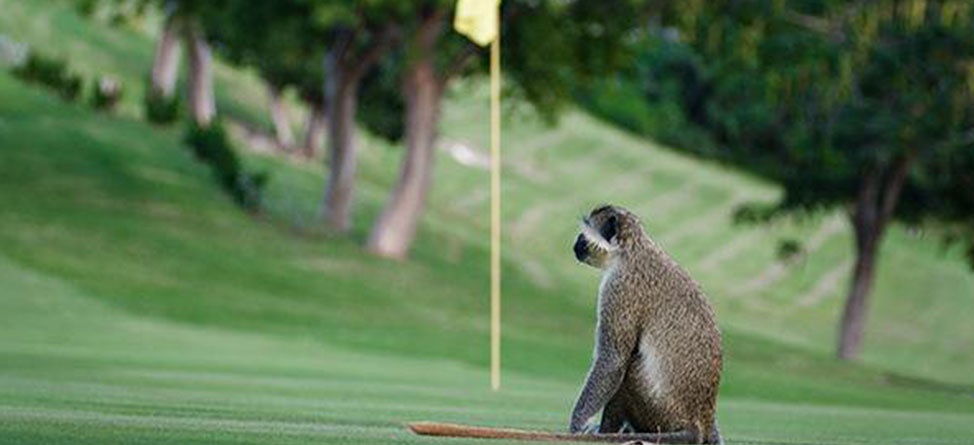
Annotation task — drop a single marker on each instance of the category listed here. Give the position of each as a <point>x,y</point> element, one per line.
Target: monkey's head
<point>605,231</point>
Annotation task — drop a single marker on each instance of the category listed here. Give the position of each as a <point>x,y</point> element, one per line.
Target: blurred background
<point>236,221</point>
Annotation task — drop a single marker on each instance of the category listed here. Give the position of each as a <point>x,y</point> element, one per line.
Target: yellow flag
<point>477,19</point>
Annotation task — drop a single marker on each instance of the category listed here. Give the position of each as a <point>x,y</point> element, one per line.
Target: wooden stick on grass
<point>457,430</point>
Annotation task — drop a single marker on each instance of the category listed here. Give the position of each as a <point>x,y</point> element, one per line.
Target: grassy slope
<point>120,257</point>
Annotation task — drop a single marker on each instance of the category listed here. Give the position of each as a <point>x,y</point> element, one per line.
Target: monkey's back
<point>674,373</point>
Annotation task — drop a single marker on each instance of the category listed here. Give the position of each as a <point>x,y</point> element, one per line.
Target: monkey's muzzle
<point>581,248</point>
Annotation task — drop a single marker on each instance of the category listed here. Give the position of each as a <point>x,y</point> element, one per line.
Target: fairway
<point>139,305</point>
<point>75,371</point>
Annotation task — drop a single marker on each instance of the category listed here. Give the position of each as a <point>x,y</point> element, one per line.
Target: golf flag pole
<point>479,20</point>
<point>495,214</point>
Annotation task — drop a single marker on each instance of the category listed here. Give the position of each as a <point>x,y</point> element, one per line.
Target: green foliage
<point>789,250</point>
<point>812,111</point>
<point>160,109</point>
<point>211,145</point>
<point>755,213</point>
<point>550,47</point>
<point>280,39</point>
<point>661,95</point>
<point>116,12</point>
<point>51,72</point>
<point>381,104</point>
<point>283,40</point>
<point>814,96</point>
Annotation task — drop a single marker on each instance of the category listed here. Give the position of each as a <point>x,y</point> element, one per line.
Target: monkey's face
<point>597,241</point>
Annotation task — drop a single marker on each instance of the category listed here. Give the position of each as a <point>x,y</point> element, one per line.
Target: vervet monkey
<point>657,362</point>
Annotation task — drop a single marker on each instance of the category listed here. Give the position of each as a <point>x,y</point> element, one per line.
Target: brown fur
<point>658,354</point>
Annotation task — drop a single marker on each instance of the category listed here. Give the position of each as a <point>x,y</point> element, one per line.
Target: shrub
<point>211,145</point>
<point>160,109</point>
<point>51,72</point>
<point>663,95</point>
<point>106,92</point>
<point>70,89</point>
<point>790,250</point>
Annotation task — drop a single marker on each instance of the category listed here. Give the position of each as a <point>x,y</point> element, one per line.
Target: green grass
<point>138,305</point>
<point>75,370</point>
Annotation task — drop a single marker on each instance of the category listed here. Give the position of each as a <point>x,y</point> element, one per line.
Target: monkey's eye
<point>610,228</point>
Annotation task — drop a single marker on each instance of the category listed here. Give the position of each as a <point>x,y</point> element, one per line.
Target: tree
<point>422,89</point>
<point>181,23</point>
<point>432,57</point>
<point>282,128</point>
<point>165,62</point>
<point>352,38</point>
<point>284,45</point>
<point>312,93</point>
<point>355,50</point>
<point>863,106</point>
<point>202,102</point>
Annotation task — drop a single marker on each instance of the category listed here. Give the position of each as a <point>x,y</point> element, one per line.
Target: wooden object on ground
<point>457,430</point>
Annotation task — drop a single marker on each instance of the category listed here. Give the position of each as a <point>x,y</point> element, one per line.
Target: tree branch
<point>458,63</point>
<point>383,42</point>
<point>864,215</point>
<point>811,23</point>
<point>894,185</point>
<point>829,28</point>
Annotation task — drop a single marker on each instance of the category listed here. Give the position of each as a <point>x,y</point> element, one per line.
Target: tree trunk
<point>396,227</point>
<point>879,194</point>
<point>314,130</point>
<point>202,105</point>
<point>343,71</point>
<point>343,100</point>
<point>854,316</point>
<point>282,128</point>
<point>165,64</point>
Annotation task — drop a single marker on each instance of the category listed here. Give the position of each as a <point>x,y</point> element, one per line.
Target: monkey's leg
<point>650,432</point>
<point>614,415</point>
<point>689,436</point>
<point>676,437</point>
<point>714,437</point>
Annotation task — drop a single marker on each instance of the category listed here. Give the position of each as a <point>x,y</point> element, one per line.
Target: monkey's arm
<point>604,378</point>
<point>615,342</point>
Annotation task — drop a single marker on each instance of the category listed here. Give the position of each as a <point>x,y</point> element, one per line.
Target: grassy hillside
<point>138,301</point>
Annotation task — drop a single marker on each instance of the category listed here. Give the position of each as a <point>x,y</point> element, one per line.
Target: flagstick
<point>495,213</point>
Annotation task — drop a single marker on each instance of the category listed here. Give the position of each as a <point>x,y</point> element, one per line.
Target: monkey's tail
<point>456,430</point>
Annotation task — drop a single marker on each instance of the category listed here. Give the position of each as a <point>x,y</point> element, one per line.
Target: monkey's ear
<point>610,228</point>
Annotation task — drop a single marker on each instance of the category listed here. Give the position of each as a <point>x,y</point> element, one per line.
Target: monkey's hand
<point>579,428</point>
<point>586,428</point>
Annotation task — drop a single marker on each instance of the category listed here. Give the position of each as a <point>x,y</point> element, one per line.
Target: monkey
<point>658,357</point>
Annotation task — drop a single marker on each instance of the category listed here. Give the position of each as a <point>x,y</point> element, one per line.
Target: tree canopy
<point>281,40</point>
<point>863,106</point>
<point>815,97</point>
